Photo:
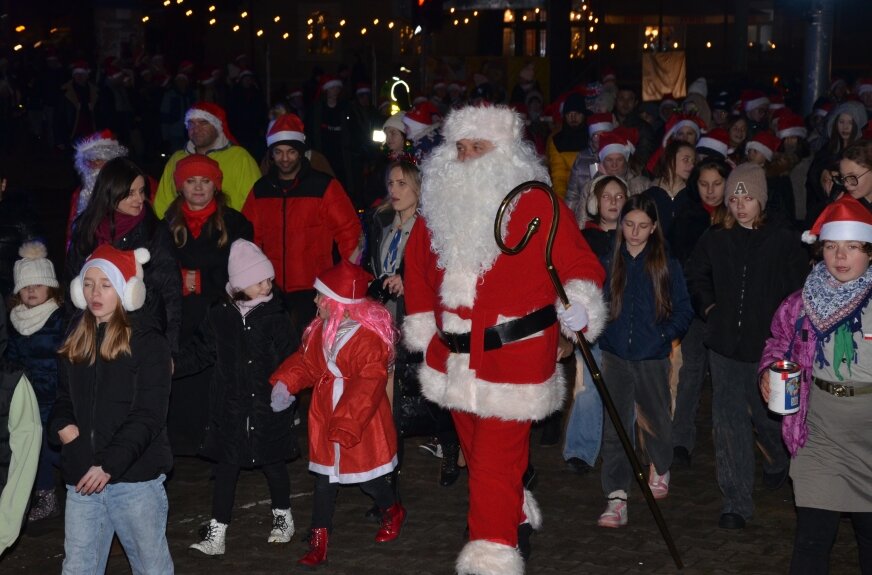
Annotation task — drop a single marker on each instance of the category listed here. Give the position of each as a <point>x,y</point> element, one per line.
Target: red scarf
<point>709,209</point>
<point>123,224</point>
<point>196,219</point>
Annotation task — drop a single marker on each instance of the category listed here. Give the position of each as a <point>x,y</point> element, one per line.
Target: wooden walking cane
<point>581,342</point>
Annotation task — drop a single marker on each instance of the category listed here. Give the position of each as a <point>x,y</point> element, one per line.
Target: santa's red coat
<point>518,381</point>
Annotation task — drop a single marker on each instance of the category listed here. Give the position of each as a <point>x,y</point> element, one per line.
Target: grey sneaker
<point>282,526</point>
<point>213,539</point>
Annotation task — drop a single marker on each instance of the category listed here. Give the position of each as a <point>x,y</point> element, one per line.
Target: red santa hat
<point>823,108</point>
<point>791,125</point>
<point>101,145</point>
<point>296,93</point>
<point>345,282</point>
<point>80,67</point>
<point>420,117</point>
<point>124,270</point>
<point>186,67</point>
<point>678,121</point>
<point>328,81</point>
<point>287,129</point>
<point>113,72</point>
<point>439,83</point>
<point>717,141</point>
<point>362,88</point>
<point>212,113</point>
<point>776,102</point>
<point>844,219</point>
<point>766,143</point>
<point>609,75</point>
<point>600,123</point>
<point>864,85</point>
<point>621,140</point>
<point>753,99</point>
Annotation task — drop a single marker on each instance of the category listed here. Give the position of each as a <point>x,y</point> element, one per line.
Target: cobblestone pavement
<point>570,542</point>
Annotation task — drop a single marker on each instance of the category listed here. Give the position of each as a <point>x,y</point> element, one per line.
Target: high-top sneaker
<point>615,514</point>
<point>213,539</point>
<point>282,526</point>
<point>391,522</point>
<point>45,505</point>
<point>317,554</point>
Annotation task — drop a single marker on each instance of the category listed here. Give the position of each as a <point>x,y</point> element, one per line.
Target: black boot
<point>525,531</point>
<point>449,471</point>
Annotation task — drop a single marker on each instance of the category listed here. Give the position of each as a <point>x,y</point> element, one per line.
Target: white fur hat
<point>124,270</point>
<point>497,124</point>
<point>33,268</point>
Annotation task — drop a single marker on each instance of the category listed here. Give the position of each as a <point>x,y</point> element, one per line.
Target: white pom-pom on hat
<point>33,268</point>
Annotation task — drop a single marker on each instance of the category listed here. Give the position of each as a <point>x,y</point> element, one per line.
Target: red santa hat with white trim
<point>123,268</point>
<point>80,67</point>
<point>845,219</point>
<point>717,141</point>
<point>327,81</point>
<point>420,118</point>
<point>287,129</point>
<point>600,123</point>
<point>753,99</point>
<point>362,88</point>
<point>791,125</point>
<point>212,113</point>
<point>345,282</point>
<point>864,85</point>
<point>678,121</point>
<point>621,140</point>
<point>766,143</point>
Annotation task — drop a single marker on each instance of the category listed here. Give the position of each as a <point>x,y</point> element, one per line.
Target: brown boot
<point>392,521</point>
<point>317,554</point>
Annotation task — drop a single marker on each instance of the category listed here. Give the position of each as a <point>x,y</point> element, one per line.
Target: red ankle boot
<point>391,522</point>
<point>317,554</point>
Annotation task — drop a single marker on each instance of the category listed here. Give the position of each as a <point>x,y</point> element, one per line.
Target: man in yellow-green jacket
<point>209,134</point>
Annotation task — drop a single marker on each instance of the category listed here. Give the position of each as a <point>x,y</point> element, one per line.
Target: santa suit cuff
<point>591,297</point>
<point>418,330</point>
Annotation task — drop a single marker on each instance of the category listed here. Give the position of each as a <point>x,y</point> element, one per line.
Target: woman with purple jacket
<point>824,328</point>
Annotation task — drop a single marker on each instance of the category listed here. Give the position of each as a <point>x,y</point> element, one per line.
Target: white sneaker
<point>213,541</point>
<point>659,484</point>
<point>615,514</point>
<point>282,526</point>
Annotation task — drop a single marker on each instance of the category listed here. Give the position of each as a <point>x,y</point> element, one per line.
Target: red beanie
<point>197,165</point>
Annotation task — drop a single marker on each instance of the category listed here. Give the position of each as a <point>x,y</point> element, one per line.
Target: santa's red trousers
<point>497,452</point>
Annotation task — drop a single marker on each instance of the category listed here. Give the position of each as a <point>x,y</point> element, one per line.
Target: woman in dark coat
<point>202,227</point>
<point>119,214</point>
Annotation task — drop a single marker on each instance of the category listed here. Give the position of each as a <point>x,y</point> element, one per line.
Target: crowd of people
<point>193,309</point>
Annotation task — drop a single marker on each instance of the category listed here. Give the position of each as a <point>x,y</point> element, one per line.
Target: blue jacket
<point>37,354</point>
<point>635,335</point>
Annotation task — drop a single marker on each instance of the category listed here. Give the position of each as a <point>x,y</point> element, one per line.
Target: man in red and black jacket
<point>298,215</point>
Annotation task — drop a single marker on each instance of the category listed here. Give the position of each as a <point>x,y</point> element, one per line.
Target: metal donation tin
<point>784,387</point>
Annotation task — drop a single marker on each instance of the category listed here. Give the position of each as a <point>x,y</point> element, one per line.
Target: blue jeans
<point>137,512</point>
<point>584,432</point>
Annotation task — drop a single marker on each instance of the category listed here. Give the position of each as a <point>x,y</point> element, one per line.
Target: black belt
<point>841,390</point>
<point>498,335</point>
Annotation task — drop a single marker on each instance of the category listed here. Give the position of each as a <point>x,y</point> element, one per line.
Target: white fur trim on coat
<point>482,557</point>
<point>532,511</point>
<point>418,330</point>
<point>459,389</point>
<point>458,288</point>
<point>588,294</point>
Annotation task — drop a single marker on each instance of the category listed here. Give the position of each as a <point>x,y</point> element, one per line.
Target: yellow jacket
<point>560,165</point>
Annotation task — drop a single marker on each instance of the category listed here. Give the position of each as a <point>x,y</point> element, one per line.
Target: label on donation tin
<point>784,387</point>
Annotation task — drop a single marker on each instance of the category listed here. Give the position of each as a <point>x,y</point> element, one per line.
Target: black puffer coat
<point>163,281</point>
<point>37,353</point>
<point>243,429</point>
<point>120,408</point>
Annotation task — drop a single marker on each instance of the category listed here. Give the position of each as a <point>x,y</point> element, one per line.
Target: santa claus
<point>487,321</point>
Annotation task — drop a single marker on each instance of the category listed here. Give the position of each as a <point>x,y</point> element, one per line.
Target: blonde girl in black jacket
<point>110,416</point>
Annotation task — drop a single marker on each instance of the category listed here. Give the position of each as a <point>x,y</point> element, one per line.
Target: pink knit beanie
<point>247,266</point>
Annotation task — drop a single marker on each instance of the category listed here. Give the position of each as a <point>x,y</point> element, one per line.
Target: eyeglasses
<point>852,181</point>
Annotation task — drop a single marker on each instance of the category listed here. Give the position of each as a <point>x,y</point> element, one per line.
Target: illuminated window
<point>321,34</point>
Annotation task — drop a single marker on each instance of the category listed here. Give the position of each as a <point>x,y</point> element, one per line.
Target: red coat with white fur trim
<point>518,381</point>
<point>352,438</point>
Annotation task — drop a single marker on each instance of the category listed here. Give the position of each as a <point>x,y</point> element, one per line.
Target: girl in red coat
<point>345,357</point>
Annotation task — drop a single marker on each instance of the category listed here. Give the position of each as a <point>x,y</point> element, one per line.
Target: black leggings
<point>224,492</point>
<point>380,489</point>
<point>816,531</point>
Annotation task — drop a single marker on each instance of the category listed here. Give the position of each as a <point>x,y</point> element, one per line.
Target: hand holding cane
<point>589,360</point>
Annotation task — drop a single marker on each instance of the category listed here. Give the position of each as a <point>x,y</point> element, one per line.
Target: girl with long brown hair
<point>649,308</point>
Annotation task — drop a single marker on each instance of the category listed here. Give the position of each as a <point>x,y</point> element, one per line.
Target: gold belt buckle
<point>840,390</point>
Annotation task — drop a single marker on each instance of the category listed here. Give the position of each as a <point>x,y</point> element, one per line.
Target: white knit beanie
<point>33,268</point>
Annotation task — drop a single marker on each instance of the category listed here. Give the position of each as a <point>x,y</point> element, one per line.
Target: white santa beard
<point>460,201</point>
<point>88,180</point>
